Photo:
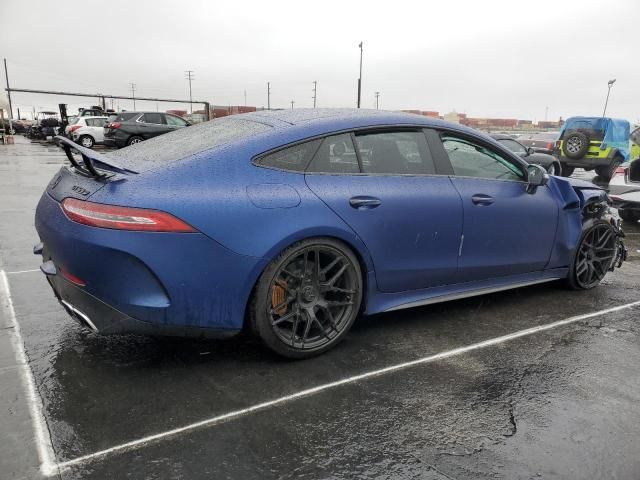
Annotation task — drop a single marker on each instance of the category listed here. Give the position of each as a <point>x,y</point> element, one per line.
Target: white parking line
<point>48,464</point>
<point>327,386</point>
<point>22,271</point>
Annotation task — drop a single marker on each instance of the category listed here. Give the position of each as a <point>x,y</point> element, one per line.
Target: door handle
<point>364,202</point>
<point>481,199</point>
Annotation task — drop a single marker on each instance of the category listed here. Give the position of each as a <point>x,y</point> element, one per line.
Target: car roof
<point>325,120</point>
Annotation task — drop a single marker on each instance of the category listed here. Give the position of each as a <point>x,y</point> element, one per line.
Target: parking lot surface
<point>557,402</point>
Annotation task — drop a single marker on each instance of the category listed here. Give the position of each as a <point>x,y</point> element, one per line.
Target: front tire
<point>307,298</point>
<point>594,255</point>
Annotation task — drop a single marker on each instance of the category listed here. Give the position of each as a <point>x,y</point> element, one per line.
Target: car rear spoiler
<point>89,159</point>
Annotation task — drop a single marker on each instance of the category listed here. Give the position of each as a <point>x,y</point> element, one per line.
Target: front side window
<point>335,155</point>
<point>294,158</point>
<point>469,159</point>
<point>152,118</point>
<point>512,145</point>
<point>175,121</point>
<point>635,136</point>
<point>394,153</point>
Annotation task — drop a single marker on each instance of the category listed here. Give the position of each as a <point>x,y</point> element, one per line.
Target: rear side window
<point>335,155</point>
<point>175,121</point>
<point>294,158</point>
<point>122,117</point>
<point>395,153</point>
<point>155,118</point>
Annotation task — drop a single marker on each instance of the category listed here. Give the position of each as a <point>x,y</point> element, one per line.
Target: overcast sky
<point>485,58</point>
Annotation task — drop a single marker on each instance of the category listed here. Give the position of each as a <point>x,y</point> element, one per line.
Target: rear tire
<point>594,255</point>
<point>566,170</point>
<point>629,216</point>
<point>87,141</point>
<point>608,171</point>
<point>307,298</point>
<point>133,140</point>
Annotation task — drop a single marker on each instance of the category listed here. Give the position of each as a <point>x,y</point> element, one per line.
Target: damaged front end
<point>597,206</point>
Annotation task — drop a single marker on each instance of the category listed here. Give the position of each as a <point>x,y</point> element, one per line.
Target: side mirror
<point>536,177</point>
<point>530,151</point>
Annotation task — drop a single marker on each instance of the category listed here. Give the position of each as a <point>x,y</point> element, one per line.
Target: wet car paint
<point>559,404</point>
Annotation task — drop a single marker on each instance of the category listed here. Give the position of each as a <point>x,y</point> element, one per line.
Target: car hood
<point>582,184</point>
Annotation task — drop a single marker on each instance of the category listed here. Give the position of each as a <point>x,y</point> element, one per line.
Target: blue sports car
<point>293,223</point>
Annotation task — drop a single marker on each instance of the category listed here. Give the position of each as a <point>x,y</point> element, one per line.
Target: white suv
<point>88,131</point>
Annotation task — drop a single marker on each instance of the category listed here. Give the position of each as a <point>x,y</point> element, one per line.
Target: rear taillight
<point>74,128</point>
<point>122,218</point>
<point>114,125</point>
<point>72,278</point>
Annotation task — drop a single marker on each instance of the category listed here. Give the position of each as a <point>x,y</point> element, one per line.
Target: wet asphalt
<point>563,403</point>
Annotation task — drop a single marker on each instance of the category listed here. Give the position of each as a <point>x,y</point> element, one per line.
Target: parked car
<point>541,142</point>
<point>599,143</point>
<point>46,125</point>
<point>548,162</point>
<point>88,131</point>
<point>624,190</point>
<point>273,221</point>
<point>129,128</point>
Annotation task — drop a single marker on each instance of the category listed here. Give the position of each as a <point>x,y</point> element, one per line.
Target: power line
<point>189,76</point>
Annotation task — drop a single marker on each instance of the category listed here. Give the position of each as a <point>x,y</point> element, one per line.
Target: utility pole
<point>292,102</point>
<point>133,94</point>
<point>377,97</point>
<point>609,85</point>
<point>268,95</point>
<point>360,77</point>
<point>6,76</point>
<point>189,76</point>
<point>315,92</point>
<point>18,113</point>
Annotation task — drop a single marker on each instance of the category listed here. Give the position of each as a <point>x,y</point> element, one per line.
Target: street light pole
<point>609,85</point>
<point>268,95</point>
<point>360,77</point>
<point>377,98</point>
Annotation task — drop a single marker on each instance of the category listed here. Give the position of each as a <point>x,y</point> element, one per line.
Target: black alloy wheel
<point>595,255</point>
<point>308,298</point>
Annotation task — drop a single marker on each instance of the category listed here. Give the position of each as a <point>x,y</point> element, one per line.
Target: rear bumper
<point>146,282</point>
<point>113,142</point>
<point>96,315</point>
<point>586,162</point>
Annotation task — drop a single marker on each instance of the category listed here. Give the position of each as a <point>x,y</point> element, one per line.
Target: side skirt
<point>387,302</point>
